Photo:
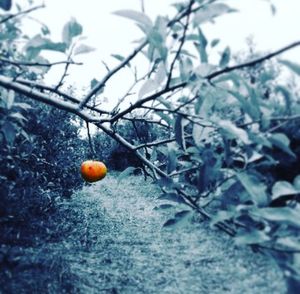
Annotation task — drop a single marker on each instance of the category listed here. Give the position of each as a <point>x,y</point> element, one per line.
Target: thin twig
<point>11,16</point>
<point>23,63</point>
<point>90,139</point>
<point>183,38</point>
<point>102,83</point>
<point>252,62</point>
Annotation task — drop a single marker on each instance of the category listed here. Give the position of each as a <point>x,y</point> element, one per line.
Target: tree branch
<point>22,63</point>
<point>11,16</point>
<point>102,83</point>
<point>252,62</point>
<point>181,44</point>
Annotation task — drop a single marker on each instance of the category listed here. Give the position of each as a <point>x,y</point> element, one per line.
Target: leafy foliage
<point>212,133</point>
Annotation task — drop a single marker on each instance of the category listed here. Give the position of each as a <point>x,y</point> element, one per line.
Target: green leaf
<point>137,16</point>
<point>282,142</point>
<point>295,67</point>
<point>70,30</point>
<point>225,58</point>
<point>232,131</point>
<point>5,4</point>
<point>254,237</point>
<point>81,49</point>
<point>125,173</point>
<point>282,188</point>
<point>255,188</point>
<point>288,215</point>
<point>149,86</point>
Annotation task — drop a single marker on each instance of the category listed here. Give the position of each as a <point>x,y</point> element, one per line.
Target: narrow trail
<point>122,248</point>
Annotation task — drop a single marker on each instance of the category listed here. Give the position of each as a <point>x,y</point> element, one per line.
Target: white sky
<point>111,34</point>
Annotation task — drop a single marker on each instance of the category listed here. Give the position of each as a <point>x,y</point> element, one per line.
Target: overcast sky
<point>111,34</point>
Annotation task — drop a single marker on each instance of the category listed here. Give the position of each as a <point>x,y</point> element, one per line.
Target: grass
<point>110,240</point>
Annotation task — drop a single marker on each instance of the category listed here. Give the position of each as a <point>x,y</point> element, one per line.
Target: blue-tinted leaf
<point>282,142</point>
<point>255,188</point>
<point>118,57</point>
<point>81,49</point>
<point>181,218</point>
<point>9,131</point>
<point>295,67</point>
<point>179,131</point>
<point>221,216</point>
<point>254,237</point>
<point>172,197</point>
<point>282,188</point>
<point>287,97</point>
<point>161,73</point>
<point>70,30</point>
<point>10,99</point>
<point>202,46</point>
<point>165,102</point>
<point>234,132</point>
<point>172,159</point>
<point>149,86</point>
<point>225,58</point>
<point>165,117</point>
<point>39,43</point>
<point>288,215</point>
<point>214,42</point>
<point>289,242</point>
<point>248,107</point>
<point>296,182</point>
<point>127,172</point>
<point>211,11</point>
<point>163,207</point>
<point>137,16</point>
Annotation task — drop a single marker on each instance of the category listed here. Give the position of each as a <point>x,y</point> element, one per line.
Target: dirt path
<point>121,248</point>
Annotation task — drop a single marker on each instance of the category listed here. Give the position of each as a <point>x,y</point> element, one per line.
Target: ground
<point>117,245</point>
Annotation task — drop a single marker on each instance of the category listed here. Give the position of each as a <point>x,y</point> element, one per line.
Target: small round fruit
<point>93,171</point>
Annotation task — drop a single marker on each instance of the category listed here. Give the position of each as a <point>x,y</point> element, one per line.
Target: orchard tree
<point>229,135</point>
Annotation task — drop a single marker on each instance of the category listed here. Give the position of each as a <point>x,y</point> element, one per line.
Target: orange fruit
<point>93,171</point>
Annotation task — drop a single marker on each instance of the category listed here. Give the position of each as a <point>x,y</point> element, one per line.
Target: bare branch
<point>102,83</point>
